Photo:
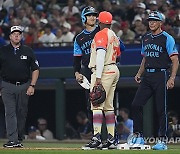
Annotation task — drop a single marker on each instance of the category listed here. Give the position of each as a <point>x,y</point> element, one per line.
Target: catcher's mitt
<point>98,95</point>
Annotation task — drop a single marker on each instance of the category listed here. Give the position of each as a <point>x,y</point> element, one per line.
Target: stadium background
<point>44,100</point>
<point>42,104</point>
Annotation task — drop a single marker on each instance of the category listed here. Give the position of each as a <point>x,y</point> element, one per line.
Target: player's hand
<point>137,78</point>
<point>79,77</point>
<point>170,83</point>
<point>30,91</point>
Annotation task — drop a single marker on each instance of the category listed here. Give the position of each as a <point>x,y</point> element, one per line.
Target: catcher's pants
<point>110,77</point>
<point>16,107</point>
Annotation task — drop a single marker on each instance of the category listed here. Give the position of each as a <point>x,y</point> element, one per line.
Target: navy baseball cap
<point>32,129</point>
<point>155,15</point>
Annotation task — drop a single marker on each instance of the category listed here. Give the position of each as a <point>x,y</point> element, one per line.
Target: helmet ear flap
<point>83,18</point>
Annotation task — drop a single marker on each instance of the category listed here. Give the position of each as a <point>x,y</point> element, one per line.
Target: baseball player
<point>104,50</point>
<point>159,54</point>
<point>82,48</point>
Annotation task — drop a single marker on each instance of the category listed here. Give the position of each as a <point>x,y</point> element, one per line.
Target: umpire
<point>159,55</point>
<point>16,63</point>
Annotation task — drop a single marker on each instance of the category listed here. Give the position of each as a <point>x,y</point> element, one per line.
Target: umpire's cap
<point>155,15</point>
<point>86,11</point>
<point>16,29</point>
<point>105,17</point>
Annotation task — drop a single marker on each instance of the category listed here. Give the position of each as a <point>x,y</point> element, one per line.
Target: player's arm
<point>141,68</point>
<point>77,68</point>
<point>173,54</point>
<point>101,40</point>
<point>122,46</point>
<point>140,71</point>
<point>77,61</point>
<point>122,49</point>
<point>175,65</point>
<point>100,64</point>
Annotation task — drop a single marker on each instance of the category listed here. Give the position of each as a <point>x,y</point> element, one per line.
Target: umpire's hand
<point>30,91</point>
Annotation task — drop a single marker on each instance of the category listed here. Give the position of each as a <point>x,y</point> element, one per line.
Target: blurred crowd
<point>174,124</point>
<point>41,132</point>
<point>124,126</point>
<point>57,22</point>
<point>83,130</point>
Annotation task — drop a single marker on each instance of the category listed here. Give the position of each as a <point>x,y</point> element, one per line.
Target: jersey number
<point>115,53</point>
<point>116,49</point>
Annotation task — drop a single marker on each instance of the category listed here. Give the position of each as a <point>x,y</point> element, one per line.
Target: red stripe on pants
<point>98,118</point>
<point>110,119</point>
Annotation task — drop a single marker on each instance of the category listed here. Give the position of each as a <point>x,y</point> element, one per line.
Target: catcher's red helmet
<point>105,17</point>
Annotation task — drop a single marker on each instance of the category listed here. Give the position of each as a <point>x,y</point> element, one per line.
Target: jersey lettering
<point>87,51</point>
<point>85,45</point>
<point>82,45</point>
<point>157,49</point>
<point>153,47</point>
<point>152,54</point>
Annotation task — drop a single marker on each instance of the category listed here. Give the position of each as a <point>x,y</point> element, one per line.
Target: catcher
<point>104,51</point>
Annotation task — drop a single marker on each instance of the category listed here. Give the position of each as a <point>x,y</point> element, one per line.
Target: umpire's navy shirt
<point>17,64</point>
<point>157,50</point>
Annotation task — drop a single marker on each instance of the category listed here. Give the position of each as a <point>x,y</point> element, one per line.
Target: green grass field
<point>75,148</point>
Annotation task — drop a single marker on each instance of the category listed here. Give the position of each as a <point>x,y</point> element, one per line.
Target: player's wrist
<point>77,73</point>
<point>32,85</point>
<point>138,75</point>
<point>172,77</point>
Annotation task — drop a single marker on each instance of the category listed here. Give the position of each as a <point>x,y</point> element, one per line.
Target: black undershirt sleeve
<point>77,63</point>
